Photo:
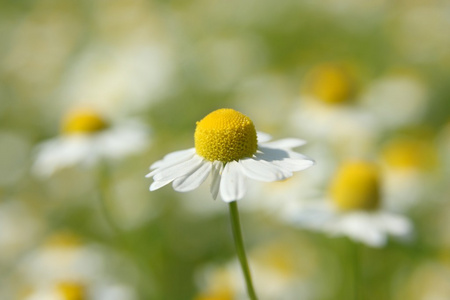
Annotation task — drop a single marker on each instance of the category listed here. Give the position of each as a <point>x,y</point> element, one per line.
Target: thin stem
<point>356,274</point>
<point>103,196</point>
<point>240,250</point>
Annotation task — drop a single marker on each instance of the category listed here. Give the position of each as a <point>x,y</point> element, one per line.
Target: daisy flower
<point>353,208</point>
<point>228,148</point>
<point>86,139</point>
<point>331,83</point>
<point>327,113</point>
<point>66,268</point>
<point>411,169</point>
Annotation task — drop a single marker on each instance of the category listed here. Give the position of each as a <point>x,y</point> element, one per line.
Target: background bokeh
<point>356,79</point>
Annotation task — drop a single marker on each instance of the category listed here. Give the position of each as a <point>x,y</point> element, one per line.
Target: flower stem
<point>103,197</point>
<point>356,274</point>
<point>240,250</point>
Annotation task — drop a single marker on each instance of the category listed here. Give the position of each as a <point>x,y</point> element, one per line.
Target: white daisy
<point>327,113</point>
<point>86,139</point>
<point>65,268</point>
<point>411,170</point>
<point>353,209</point>
<point>226,147</point>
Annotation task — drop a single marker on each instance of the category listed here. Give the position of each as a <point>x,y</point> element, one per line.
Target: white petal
<point>159,184</point>
<point>194,179</point>
<point>294,165</point>
<point>122,140</point>
<point>396,225</point>
<point>260,170</point>
<point>359,226</point>
<point>173,158</point>
<point>178,170</point>
<point>263,137</point>
<point>287,143</point>
<point>232,183</point>
<point>296,155</point>
<point>313,215</point>
<point>170,160</point>
<point>287,160</point>
<point>216,172</point>
<point>62,152</point>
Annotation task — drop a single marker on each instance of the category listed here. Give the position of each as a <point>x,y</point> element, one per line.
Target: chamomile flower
<point>87,138</point>
<point>227,148</point>
<point>410,166</point>
<point>353,208</point>
<point>66,268</point>
<point>327,112</point>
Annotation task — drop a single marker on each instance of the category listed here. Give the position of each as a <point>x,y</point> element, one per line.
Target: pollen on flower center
<point>83,121</point>
<point>356,186</point>
<point>225,135</point>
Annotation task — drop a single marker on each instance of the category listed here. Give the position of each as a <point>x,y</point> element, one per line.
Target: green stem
<point>103,196</point>
<point>355,270</point>
<point>240,250</point>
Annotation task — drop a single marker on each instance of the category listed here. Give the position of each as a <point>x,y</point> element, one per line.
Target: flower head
<point>410,165</point>
<point>87,138</point>
<point>225,135</point>
<point>331,83</point>
<point>64,267</point>
<point>353,208</point>
<point>227,147</point>
<point>83,121</point>
<point>409,154</point>
<point>356,186</point>
<point>71,291</point>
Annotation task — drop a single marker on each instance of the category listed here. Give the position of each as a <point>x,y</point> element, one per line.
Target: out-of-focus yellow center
<point>215,296</point>
<point>225,135</point>
<point>409,154</point>
<point>278,258</point>
<point>219,286</point>
<point>83,121</point>
<point>63,239</point>
<point>356,186</point>
<point>71,291</point>
<point>330,83</point>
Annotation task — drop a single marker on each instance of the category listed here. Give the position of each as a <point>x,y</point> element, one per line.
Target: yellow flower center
<point>356,186</point>
<point>216,296</point>
<point>225,135</point>
<point>330,83</point>
<point>63,239</point>
<point>71,291</point>
<point>83,121</point>
<point>406,154</point>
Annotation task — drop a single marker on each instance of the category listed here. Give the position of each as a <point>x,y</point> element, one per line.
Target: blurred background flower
<point>359,81</point>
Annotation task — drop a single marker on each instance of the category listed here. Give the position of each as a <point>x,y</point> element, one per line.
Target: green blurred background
<point>168,64</point>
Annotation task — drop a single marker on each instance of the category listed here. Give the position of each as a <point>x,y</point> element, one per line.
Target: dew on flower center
<point>356,186</point>
<point>225,135</point>
<point>83,121</point>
